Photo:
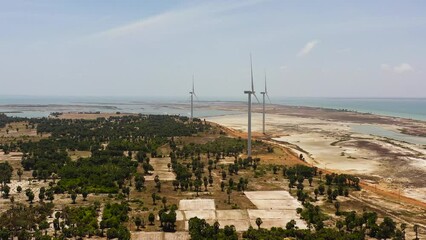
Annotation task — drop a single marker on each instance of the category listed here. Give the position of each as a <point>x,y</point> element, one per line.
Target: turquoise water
<point>413,108</point>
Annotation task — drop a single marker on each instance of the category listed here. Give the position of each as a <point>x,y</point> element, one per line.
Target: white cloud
<point>308,48</point>
<point>401,68</point>
<point>284,67</point>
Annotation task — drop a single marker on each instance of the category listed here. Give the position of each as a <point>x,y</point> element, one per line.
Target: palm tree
<point>151,218</point>
<point>258,222</point>
<point>416,230</point>
<point>85,193</point>
<point>229,191</point>
<point>73,197</point>
<point>154,197</point>
<point>337,206</point>
<point>316,192</point>
<point>138,222</point>
<point>20,172</point>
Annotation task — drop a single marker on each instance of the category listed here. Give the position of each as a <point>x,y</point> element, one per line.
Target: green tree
<point>337,206</point>
<point>387,228</point>
<point>138,222</point>
<point>84,193</point>
<point>258,222</point>
<point>6,190</point>
<point>151,218</point>
<point>44,225</point>
<point>5,172</point>
<point>154,197</point>
<point>20,173</point>
<point>30,196</point>
<point>228,192</point>
<point>73,197</point>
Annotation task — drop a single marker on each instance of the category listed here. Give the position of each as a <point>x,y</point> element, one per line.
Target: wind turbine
<point>265,93</point>
<point>192,99</point>
<point>249,93</point>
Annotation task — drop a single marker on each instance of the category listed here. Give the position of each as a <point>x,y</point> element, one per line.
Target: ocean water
<point>413,108</point>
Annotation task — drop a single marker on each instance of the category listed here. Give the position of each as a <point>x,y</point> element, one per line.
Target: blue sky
<point>152,48</point>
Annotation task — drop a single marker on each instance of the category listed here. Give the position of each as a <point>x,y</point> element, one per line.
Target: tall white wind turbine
<point>264,93</point>
<point>249,93</point>
<point>192,93</point>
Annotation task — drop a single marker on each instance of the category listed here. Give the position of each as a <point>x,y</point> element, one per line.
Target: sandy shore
<point>332,144</point>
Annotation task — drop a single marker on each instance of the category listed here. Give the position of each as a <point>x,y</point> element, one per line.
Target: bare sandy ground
<point>161,169</point>
<point>275,208</point>
<point>331,144</point>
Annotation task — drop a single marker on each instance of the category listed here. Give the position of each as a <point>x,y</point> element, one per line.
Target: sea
<point>30,106</point>
<point>36,107</point>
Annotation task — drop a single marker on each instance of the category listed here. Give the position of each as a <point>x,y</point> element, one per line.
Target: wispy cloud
<point>401,68</point>
<point>180,17</point>
<point>308,48</point>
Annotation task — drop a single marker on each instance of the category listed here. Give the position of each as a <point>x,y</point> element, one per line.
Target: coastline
<point>331,143</point>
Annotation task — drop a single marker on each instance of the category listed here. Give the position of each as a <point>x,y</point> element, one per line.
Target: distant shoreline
<point>214,108</point>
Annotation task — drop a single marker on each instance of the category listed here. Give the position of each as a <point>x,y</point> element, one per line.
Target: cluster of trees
<point>312,215</point>
<point>25,222</point>
<point>4,120</point>
<point>353,227</point>
<point>366,224</point>
<point>167,217</point>
<point>218,148</point>
<point>199,229</point>
<point>342,180</point>
<point>96,174</point>
<point>297,175</point>
<point>77,221</point>
<point>44,157</point>
<point>291,232</point>
<point>113,217</point>
<point>6,171</point>
<point>85,133</point>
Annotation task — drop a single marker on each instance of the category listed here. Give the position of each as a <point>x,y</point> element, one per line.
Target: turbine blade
<point>268,97</point>
<point>254,94</point>
<point>266,90</point>
<point>193,83</point>
<point>251,71</point>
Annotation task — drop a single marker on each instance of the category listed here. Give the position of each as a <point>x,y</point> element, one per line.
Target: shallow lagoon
<point>382,132</point>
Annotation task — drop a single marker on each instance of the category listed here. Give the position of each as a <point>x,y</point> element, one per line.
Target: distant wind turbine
<point>265,93</point>
<point>249,93</point>
<point>192,99</point>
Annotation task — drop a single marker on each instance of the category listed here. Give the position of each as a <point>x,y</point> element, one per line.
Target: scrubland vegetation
<point>107,194</point>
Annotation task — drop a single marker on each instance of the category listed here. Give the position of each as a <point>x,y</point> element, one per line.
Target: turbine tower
<point>249,93</point>
<point>192,93</point>
<point>265,93</point>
